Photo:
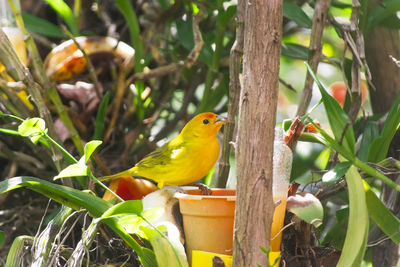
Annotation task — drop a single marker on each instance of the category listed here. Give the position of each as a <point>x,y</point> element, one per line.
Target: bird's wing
<point>162,156</point>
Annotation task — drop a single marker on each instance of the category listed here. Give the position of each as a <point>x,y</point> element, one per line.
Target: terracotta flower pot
<point>208,220</point>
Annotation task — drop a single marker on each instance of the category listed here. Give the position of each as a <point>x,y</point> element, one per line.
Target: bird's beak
<point>220,119</point>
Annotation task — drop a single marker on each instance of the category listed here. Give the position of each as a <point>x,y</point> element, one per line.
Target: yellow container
<point>205,259</point>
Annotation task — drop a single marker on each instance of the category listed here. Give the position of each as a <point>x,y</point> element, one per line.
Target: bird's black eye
<point>206,121</point>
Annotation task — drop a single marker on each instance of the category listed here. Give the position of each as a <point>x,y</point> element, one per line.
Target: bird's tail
<point>129,172</point>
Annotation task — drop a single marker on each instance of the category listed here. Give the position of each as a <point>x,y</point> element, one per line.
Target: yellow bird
<point>186,158</point>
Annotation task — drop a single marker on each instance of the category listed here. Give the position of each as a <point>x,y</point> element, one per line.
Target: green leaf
<point>370,133</point>
<point>74,170</point>
<point>357,230</point>
<point>195,8</point>
<point>131,223</point>
<point>31,127</point>
<point>18,248</point>
<point>63,10</point>
<point>380,146</point>
<point>294,51</point>
<point>296,14</point>
<point>76,200</point>
<point>381,215</point>
<point>100,117</point>
<point>338,119</point>
<point>90,147</point>
<point>336,173</point>
<point>2,237</point>
<point>392,22</point>
<point>126,8</point>
<point>41,26</point>
<point>125,208</point>
<point>331,143</point>
<point>165,254</point>
<point>65,195</point>
<point>380,13</point>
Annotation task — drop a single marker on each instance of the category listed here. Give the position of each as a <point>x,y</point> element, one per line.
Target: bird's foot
<point>205,190</point>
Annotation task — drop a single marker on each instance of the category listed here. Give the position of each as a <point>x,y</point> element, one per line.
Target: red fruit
<point>129,188</point>
<point>338,90</point>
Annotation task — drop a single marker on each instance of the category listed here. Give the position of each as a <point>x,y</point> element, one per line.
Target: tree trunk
<point>380,45</point>
<point>257,116</point>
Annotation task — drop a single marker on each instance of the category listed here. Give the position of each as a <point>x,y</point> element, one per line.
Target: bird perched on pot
<point>186,158</point>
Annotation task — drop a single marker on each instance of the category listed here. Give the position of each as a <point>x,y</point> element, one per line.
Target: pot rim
<point>194,196</point>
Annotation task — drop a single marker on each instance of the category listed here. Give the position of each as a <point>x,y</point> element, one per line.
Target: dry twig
<point>315,52</point>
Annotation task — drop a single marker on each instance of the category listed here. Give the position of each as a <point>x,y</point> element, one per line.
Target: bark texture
<point>380,45</point>
<point>257,115</point>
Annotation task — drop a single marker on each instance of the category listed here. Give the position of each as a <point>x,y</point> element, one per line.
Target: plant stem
<point>234,95</point>
<point>46,83</point>
<point>125,7</point>
<point>91,176</point>
<point>63,150</point>
<point>90,67</point>
<point>19,72</point>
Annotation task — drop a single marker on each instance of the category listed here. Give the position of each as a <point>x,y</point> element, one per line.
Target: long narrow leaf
<point>169,253</point>
<point>78,199</point>
<point>338,119</point>
<point>295,13</point>
<point>379,148</point>
<point>357,230</point>
<point>331,143</point>
<point>65,13</point>
<point>100,117</point>
<point>381,215</point>
<point>41,26</point>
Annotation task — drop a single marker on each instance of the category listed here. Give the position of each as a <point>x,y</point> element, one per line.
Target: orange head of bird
<point>204,125</point>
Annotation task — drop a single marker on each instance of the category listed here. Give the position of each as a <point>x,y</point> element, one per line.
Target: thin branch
<point>287,85</point>
<point>19,72</point>
<point>48,87</point>
<point>90,67</point>
<point>315,52</point>
<point>234,95</point>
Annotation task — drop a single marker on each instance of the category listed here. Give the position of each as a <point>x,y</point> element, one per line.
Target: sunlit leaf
<point>131,223</point>
<point>357,230</point>
<point>336,173</point>
<point>165,254</point>
<point>125,208</point>
<point>65,13</point>
<point>77,199</point>
<point>90,147</point>
<point>73,170</point>
<point>33,126</point>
